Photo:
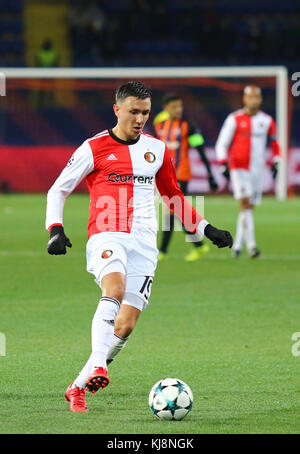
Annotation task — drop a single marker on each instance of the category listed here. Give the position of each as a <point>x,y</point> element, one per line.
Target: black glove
<point>212,183</point>
<point>58,241</point>
<point>274,170</point>
<point>220,238</point>
<point>225,170</point>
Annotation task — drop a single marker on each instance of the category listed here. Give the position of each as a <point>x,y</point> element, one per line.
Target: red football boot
<point>97,379</point>
<point>76,397</point>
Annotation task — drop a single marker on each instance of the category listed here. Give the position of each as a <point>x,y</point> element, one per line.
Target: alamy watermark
<point>118,212</point>
<point>2,344</point>
<point>2,84</point>
<point>296,86</point>
<point>296,345</point>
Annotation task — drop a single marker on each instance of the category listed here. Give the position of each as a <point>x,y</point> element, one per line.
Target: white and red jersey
<point>243,140</point>
<point>121,179</point>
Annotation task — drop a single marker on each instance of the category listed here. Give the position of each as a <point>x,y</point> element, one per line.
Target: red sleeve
<point>273,140</point>
<point>172,195</point>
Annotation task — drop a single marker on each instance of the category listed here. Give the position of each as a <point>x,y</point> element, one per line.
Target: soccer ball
<point>170,399</point>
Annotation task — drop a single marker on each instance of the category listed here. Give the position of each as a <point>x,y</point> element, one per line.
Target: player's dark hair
<point>132,88</point>
<point>169,97</point>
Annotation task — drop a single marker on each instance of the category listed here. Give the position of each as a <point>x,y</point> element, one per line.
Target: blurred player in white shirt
<point>240,150</point>
<point>121,166</point>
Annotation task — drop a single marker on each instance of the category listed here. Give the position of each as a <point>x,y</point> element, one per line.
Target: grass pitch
<point>222,325</point>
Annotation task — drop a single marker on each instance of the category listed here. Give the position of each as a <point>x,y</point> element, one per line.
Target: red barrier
<point>33,169</point>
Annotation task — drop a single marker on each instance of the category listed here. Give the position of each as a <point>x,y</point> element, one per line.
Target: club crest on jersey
<point>106,254</point>
<point>149,156</point>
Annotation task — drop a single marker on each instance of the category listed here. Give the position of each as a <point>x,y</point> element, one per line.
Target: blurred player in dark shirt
<point>180,135</point>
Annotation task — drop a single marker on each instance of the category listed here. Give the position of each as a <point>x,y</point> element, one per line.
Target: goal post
<point>279,73</point>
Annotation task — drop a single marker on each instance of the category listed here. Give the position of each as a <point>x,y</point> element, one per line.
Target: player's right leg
<point>247,211</point>
<point>242,191</point>
<point>106,259</point>
<point>256,181</point>
<point>125,322</point>
<point>94,375</point>
<point>133,303</point>
<point>113,288</point>
<point>239,235</point>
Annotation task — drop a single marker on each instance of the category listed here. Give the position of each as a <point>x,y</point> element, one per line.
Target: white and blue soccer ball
<point>170,399</point>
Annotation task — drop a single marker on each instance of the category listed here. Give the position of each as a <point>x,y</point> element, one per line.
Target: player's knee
<point>245,203</point>
<point>116,290</point>
<point>114,285</point>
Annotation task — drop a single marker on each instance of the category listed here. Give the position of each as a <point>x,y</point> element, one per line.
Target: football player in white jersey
<point>240,150</point>
<point>121,167</point>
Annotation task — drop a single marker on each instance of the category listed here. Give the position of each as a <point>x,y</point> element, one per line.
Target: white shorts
<point>134,254</point>
<point>246,183</point>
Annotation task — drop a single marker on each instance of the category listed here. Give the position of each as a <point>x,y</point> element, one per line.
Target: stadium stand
<point>141,32</point>
<point>151,32</point>
<point>11,33</point>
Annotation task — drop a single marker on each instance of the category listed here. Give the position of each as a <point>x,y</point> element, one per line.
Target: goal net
<point>47,113</point>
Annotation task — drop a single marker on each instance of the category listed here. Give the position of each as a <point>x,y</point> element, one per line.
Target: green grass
<point>222,325</point>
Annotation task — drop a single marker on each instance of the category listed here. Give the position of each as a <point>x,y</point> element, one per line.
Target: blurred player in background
<point>179,136</point>
<point>240,150</point>
<point>121,166</point>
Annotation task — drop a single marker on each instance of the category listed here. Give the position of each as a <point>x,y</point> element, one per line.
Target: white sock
<point>250,235</point>
<point>117,345</point>
<point>103,330</point>
<point>240,231</point>
<point>81,380</point>
<point>102,338</point>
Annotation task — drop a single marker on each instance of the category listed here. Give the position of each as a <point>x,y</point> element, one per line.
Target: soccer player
<point>121,166</point>
<point>179,135</point>
<point>240,150</point>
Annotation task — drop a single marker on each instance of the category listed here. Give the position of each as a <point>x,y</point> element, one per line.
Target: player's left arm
<point>275,148</point>
<point>172,195</point>
<point>196,140</point>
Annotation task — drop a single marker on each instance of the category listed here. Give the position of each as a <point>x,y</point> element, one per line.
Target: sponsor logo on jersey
<point>149,156</point>
<point>116,178</point>
<point>106,254</point>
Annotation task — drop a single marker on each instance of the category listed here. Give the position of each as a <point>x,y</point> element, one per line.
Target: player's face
<point>175,109</point>
<point>252,100</point>
<point>132,115</point>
